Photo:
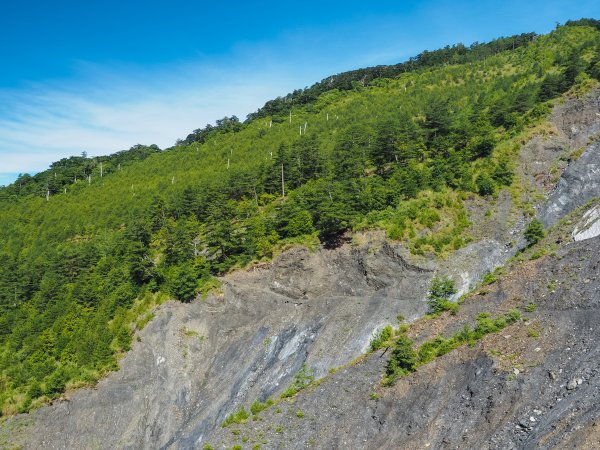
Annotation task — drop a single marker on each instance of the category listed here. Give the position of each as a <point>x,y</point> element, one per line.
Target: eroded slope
<point>195,364</point>
<point>535,384</point>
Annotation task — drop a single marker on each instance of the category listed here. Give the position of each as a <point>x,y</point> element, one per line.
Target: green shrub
<point>439,346</point>
<point>257,406</point>
<point>447,345</point>
<point>499,322</point>
<point>485,185</point>
<point>381,338</point>
<point>489,278</point>
<point>302,379</point>
<point>531,307</point>
<point>239,417</point>
<point>440,291</point>
<point>534,232</point>
<point>55,383</point>
<point>533,332</point>
<point>403,359</point>
<point>465,336</point>
<point>513,316</point>
<point>485,325</point>
<point>183,282</point>
<point>537,254</point>
<point>429,350</point>
<point>35,390</point>
<point>503,174</point>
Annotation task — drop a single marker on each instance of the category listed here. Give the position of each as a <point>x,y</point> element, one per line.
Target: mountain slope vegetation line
<point>80,270</point>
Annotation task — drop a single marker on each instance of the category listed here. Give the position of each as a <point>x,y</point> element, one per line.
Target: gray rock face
<point>468,265</point>
<point>510,391</point>
<point>579,121</point>
<point>199,362</point>
<point>579,118</point>
<point>579,184</point>
<point>589,225</point>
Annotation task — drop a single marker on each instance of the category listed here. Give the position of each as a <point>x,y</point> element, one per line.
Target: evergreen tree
<point>485,184</point>
<point>384,150</point>
<point>350,152</point>
<point>534,232</point>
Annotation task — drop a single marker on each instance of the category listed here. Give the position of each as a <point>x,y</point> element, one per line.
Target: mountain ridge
<point>455,54</point>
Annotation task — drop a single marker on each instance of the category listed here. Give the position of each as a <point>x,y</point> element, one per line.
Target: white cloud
<point>112,110</point>
<point>103,109</point>
<point>106,108</point>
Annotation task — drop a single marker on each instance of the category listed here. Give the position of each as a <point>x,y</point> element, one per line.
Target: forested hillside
<point>83,257</point>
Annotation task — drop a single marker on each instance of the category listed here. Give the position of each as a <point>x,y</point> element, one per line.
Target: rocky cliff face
<point>579,124</point>
<point>533,385</point>
<point>197,363</point>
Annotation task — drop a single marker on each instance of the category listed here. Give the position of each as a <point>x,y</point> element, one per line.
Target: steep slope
<point>196,364</point>
<point>466,398</point>
<point>533,385</point>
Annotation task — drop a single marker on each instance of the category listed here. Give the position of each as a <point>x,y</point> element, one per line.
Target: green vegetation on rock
<point>534,232</point>
<point>239,417</point>
<point>302,380</point>
<point>381,338</point>
<point>438,298</point>
<point>406,358</point>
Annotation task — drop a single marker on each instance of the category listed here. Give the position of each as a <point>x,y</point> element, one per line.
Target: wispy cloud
<point>113,109</point>
<point>106,108</point>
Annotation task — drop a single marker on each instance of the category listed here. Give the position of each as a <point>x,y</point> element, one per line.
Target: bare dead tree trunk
<point>282,183</point>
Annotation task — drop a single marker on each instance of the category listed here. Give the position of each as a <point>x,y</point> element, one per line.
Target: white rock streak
<point>589,225</point>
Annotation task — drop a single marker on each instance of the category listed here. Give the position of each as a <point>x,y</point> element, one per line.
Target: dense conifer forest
<point>91,245</point>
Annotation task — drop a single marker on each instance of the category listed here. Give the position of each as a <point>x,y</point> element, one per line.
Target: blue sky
<point>103,76</point>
